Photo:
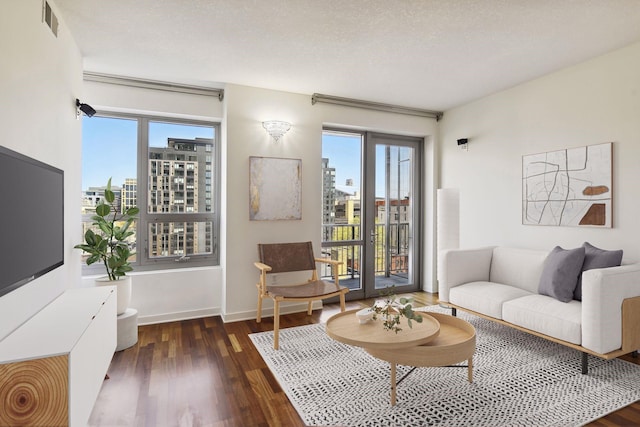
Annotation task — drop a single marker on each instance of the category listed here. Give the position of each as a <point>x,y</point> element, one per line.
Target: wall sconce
<point>85,108</point>
<point>463,143</point>
<point>276,128</point>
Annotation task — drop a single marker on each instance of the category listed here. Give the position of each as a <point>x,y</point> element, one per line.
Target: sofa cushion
<point>546,315</point>
<point>517,267</point>
<point>560,273</point>
<point>596,258</point>
<point>484,297</point>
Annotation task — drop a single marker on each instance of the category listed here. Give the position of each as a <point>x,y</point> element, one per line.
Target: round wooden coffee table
<point>440,340</point>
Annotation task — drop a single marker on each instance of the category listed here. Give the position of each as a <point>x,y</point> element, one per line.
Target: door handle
<point>372,235</point>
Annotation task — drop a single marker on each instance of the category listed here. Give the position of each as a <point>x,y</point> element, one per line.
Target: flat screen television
<point>31,219</point>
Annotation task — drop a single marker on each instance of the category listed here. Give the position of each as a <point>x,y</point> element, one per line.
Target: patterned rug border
<point>526,381</point>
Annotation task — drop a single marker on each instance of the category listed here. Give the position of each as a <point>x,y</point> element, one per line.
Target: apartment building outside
<point>180,181</point>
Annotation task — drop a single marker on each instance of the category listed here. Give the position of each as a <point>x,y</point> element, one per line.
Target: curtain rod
<point>153,84</point>
<point>378,106</point>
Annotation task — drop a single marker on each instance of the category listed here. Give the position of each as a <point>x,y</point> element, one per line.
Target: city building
<point>328,193</point>
<point>92,196</point>
<point>180,181</point>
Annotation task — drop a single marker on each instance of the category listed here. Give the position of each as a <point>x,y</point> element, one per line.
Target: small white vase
<point>123,290</point>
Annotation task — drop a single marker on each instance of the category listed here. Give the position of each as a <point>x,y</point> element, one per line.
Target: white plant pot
<point>123,289</point>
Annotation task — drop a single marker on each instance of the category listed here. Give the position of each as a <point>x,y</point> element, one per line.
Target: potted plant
<point>109,245</point>
<point>392,309</point>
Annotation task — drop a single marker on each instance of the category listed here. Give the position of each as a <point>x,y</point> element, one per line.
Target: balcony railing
<point>389,263</point>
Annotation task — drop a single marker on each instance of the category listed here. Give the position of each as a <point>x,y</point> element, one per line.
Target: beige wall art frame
<point>275,189</point>
<point>570,187</point>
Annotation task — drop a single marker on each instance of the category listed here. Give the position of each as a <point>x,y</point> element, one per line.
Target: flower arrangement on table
<point>391,309</point>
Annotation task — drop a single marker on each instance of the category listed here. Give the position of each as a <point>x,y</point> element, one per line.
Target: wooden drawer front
<point>35,392</point>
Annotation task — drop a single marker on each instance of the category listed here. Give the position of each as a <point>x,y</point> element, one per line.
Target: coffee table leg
<point>470,369</point>
<point>393,384</point>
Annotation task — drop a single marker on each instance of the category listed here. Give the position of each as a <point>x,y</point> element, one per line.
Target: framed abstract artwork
<point>570,187</point>
<point>275,189</point>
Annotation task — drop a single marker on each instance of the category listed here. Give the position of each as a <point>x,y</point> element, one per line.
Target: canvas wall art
<point>275,189</point>
<point>570,187</point>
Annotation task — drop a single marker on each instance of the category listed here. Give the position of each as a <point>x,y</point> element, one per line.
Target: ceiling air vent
<point>50,18</point>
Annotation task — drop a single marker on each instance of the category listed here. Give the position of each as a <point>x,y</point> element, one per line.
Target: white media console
<point>52,367</point>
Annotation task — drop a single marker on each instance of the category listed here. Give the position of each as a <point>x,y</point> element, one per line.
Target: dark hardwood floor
<point>204,372</point>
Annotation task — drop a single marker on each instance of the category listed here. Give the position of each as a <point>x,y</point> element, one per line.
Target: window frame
<point>144,262</point>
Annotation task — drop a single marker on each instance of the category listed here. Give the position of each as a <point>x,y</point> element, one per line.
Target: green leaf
<point>106,229</point>
<point>124,228</point>
<point>92,259</point>
<point>103,209</point>
<point>109,196</point>
<point>102,246</point>
<point>112,262</point>
<point>132,211</point>
<point>90,237</point>
<point>87,248</point>
<point>125,268</point>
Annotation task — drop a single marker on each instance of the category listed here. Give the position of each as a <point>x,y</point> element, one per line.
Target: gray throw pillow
<point>596,258</point>
<point>560,273</point>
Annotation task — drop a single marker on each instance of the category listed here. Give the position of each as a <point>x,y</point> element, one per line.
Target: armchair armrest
<point>603,291</point>
<point>334,263</point>
<point>262,267</point>
<point>459,266</point>
<point>262,284</point>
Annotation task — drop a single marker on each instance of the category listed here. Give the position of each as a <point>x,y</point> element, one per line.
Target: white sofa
<point>501,284</point>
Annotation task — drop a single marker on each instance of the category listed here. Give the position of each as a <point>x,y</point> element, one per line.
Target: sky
<point>344,154</point>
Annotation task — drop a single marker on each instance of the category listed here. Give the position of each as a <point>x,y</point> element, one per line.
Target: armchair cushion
<point>316,289</point>
<point>560,273</point>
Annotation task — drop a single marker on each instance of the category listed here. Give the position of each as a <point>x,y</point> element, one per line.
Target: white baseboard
<point>226,318</point>
<point>182,315</point>
<point>268,312</point>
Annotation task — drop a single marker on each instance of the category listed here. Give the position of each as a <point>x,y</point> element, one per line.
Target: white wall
<point>168,295</point>
<point>595,102</point>
<point>40,78</point>
<point>246,108</point>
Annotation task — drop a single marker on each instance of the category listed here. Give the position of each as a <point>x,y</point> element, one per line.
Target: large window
<point>170,170</point>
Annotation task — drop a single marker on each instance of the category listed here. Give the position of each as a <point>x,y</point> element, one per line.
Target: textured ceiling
<point>433,54</point>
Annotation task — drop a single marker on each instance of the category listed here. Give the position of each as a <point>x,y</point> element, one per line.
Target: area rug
<point>519,380</point>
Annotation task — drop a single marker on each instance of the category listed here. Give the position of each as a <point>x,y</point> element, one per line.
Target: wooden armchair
<point>290,257</point>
